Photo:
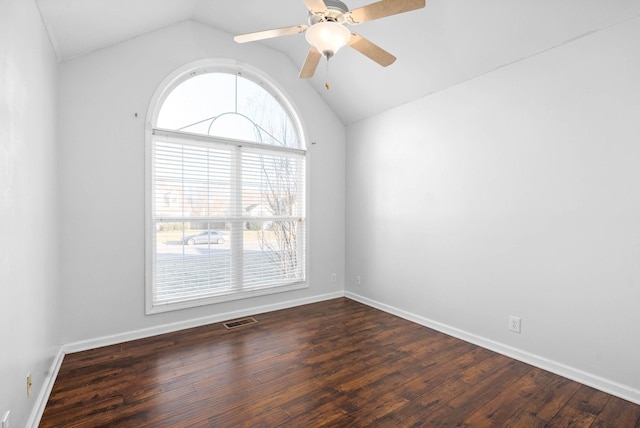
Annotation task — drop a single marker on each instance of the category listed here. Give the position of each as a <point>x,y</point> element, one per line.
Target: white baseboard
<point>610,387</point>
<point>45,391</point>
<point>197,322</point>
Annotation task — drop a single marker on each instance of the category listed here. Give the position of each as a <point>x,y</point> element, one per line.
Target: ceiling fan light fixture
<point>328,37</point>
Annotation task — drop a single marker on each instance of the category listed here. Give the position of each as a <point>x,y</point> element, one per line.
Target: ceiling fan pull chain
<point>326,80</point>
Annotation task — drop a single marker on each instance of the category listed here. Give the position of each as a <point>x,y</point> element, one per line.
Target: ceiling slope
<point>446,43</point>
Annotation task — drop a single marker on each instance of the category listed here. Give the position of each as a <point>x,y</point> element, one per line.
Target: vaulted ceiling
<point>447,42</point>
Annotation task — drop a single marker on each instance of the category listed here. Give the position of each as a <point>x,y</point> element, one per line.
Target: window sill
<point>221,298</point>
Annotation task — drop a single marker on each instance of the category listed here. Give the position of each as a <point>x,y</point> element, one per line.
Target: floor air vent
<point>239,323</point>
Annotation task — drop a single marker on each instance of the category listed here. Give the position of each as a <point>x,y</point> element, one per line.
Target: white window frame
<point>164,89</point>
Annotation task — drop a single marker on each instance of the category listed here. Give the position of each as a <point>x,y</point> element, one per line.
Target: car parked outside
<point>206,237</point>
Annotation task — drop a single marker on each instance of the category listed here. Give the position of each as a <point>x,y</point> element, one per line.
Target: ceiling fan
<point>326,31</point>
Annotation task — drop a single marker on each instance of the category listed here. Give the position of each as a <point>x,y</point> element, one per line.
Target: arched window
<point>225,189</point>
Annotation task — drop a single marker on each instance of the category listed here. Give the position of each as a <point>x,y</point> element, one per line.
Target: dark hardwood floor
<point>336,363</point>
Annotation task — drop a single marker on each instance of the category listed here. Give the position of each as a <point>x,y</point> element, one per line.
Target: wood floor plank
<point>418,412</point>
<point>582,409</point>
<point>336,363</point>
<point>443,371</point>
<point>498,410</point>
<point>543,405</point>
<point>618,413</point>
<point>371,406</point>
<point>456,409</point>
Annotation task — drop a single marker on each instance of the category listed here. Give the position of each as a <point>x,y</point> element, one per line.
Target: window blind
<point>227,217</point>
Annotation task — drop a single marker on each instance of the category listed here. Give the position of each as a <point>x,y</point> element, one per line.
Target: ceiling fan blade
<point>371,50</point>
<point>315,6</point>
<point>269,34</point>
<point>310,63</point>
<point>384,8</point>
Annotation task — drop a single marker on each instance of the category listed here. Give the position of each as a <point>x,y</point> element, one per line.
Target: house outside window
<point>226,181</point>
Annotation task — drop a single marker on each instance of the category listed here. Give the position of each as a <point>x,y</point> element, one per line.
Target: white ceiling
<point>446,43</point>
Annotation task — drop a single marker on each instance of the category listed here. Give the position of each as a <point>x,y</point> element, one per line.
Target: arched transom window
<point>226,190</point>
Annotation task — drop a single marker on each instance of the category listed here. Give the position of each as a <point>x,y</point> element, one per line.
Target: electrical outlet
<point>5,420</point>
<point>29,385</point>
<point>358,282</point>
<point>334,278</point>
<point>514,324</point>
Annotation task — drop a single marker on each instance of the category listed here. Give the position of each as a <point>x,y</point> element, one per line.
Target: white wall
<point>102,178</point>
<point>515,193</point>
<point>29,256</point>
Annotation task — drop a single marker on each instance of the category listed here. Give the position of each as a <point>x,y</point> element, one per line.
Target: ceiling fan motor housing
<point>335,12</point>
